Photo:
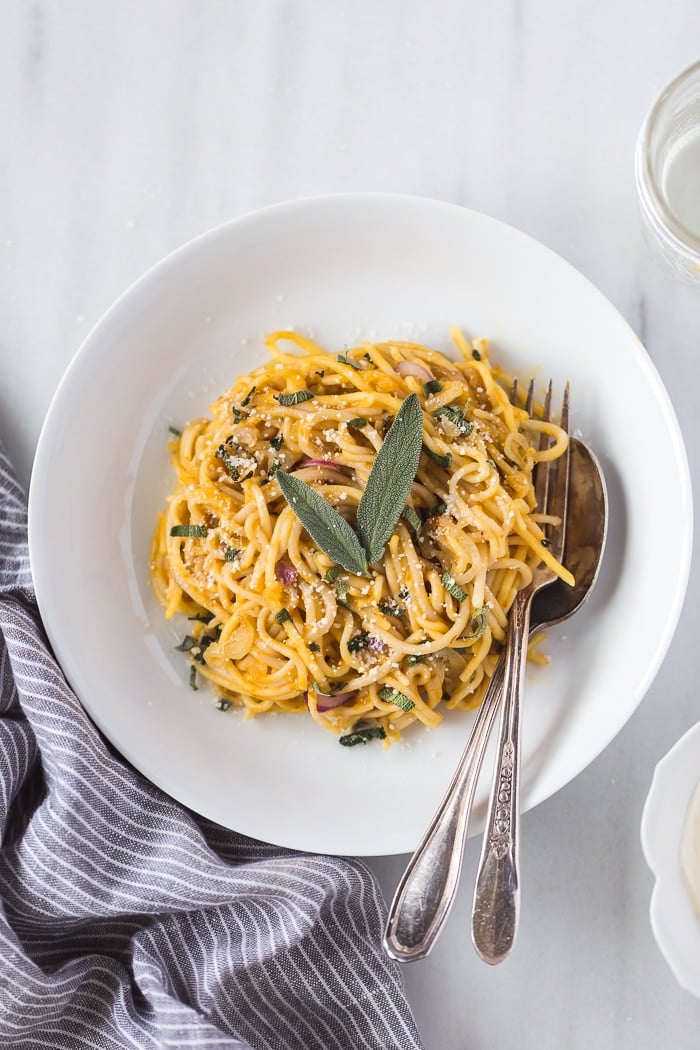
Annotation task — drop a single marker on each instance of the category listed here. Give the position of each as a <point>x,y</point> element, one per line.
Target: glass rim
<point>657,212</point>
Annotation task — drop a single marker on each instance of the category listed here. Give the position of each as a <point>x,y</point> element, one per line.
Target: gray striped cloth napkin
<point>127,921</point>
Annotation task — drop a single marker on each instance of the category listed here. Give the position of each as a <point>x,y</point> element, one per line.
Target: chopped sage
<point>479,624</point>
<point>413,519</point>
<point>479,621</point>
<point>345,360</point>
<point>361,736</point>
<point>337,687</point>
<point>296,398</point>
<point>437,457</point>
<point>223,454</point>
<point>203,643</point>
<point>188,530</point>
<point>432,387</point>
<point>358,641</point>
<point>186,644</point>
<point>393,696</point>
<point>455,416</point>
<point>452,587</point>
<point>282,616</point>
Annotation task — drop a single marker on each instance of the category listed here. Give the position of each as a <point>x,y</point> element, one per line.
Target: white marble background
<point>129,126</point>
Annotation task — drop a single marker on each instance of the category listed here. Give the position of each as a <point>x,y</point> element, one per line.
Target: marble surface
<point>129,127</point>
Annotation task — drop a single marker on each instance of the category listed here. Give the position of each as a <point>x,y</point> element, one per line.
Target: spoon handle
<point>426,891</point>
<point>497,894</point>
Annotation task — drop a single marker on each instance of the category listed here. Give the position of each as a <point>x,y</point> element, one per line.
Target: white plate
<point>342,267</point>
<point>674,923</point>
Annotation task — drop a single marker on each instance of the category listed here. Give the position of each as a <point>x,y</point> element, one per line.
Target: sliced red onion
<point>412,368</point>
<point>286,573</point>
<point>319,463</point>
<point>327,703</point>
<point>376,645</point>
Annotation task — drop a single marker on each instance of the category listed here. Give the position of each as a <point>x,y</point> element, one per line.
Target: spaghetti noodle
<point>277,624</point>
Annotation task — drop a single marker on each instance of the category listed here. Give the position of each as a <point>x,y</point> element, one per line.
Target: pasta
<point>276,623</point>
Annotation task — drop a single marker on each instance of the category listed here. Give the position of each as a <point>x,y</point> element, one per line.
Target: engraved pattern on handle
<point>425,894</point>
<point>496,907</point>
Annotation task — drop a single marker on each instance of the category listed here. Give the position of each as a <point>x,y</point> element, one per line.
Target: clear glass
<point>668,173</point>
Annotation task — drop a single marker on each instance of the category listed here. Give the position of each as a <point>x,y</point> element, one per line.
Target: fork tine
<point>530,399</point>
<point>547,408</point>
<point>564,415</point>
<point>558,502</point>
<point>542,474</point>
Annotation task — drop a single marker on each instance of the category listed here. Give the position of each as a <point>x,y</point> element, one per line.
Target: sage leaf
<point>323,523</point>
<point>390,479</point>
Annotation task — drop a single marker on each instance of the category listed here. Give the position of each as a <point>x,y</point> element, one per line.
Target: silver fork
<point>427,888</point>
<point>496,905</point>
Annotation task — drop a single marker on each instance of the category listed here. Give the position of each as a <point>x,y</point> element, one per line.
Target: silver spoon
<point>426,891</point>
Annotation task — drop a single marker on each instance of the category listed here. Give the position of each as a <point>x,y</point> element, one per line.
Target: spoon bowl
<point>426,891</point>
<point>587,522</point>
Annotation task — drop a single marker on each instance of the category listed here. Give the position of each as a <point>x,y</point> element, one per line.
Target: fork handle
<point>425,893</point>
<point>496,906</point>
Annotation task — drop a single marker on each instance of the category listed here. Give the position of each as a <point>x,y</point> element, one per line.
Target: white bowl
<point>343,267</point>
<point>674,922</point>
